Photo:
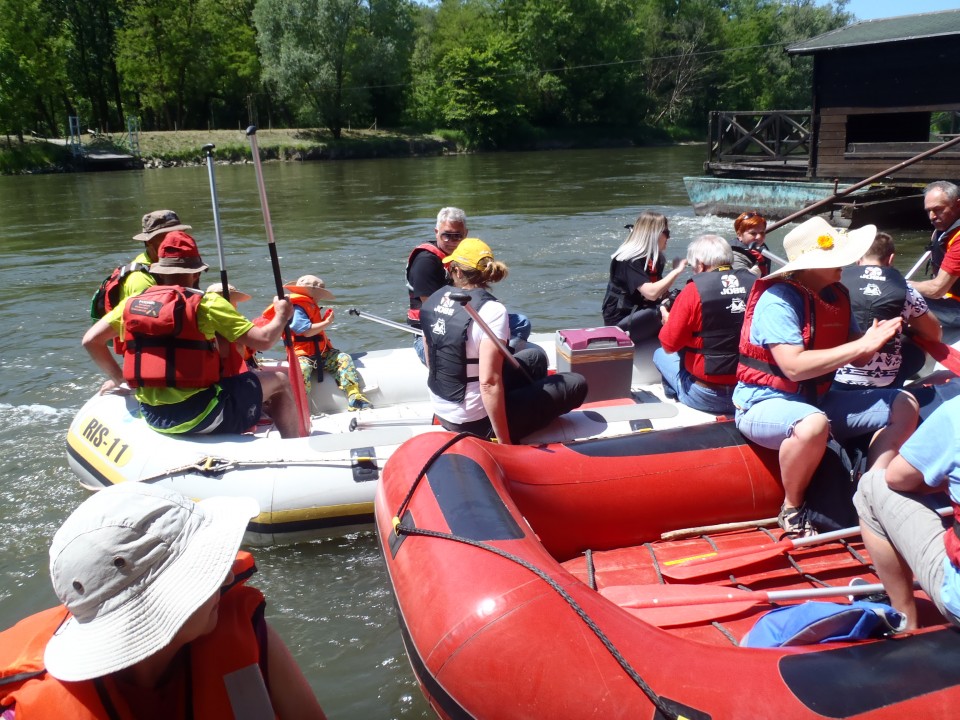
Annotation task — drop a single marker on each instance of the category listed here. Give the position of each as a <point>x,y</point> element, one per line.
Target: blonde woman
<point>637,282</point>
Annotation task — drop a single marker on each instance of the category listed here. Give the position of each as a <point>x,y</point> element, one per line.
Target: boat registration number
<point>106,442</point>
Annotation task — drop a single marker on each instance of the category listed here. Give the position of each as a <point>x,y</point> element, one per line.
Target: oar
<point>295,374</point>
<point>208,150</point>
<point>947,356</point>
<point>384,321</point>
<point>464,299</point>
<point>921,261</point>
<point>856,186</point>
<point>724,561</point>
<point>776,258</point>
<point>670,605</point>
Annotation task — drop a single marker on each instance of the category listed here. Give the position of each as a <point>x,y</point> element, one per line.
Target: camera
<point>667,302</point>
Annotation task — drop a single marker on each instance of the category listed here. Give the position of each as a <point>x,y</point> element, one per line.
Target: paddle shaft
<point>384,321</point>
<point>208,150</point>
<point>856,186</point>
<point>709,596</point>
<point>947,356</point>
<point>293,364</point>
<point>464,299</point>
<point>921,261</point>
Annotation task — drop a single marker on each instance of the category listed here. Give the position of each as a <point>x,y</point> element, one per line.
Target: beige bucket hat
<point>310,285</point>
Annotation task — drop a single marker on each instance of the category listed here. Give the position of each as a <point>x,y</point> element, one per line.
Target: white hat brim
<point>847,250</point>
<point>148,622</point>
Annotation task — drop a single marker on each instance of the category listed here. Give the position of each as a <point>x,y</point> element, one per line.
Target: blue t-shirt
<point>777,320</point>
<point>300,322</point>
<point>932,450</point>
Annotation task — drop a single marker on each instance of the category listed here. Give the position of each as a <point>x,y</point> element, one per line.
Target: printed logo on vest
<point>147,308</point>
<point>872,273</point>
<point>731,286</point>
<point>871,290</point>
<point>737,306</point>
<point>439,327</point>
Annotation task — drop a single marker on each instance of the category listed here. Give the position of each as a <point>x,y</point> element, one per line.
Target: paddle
<point>671,605</point>
<point>921,261</point>
<point>295,374</point>
<point>724,561</point>
<point>384,321</point>
<point>464,299</point>
<point>208,150</point>
<point>856,186</point>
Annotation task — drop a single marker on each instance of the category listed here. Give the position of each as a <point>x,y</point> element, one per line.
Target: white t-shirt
<point>495,315</point>
<point>882,368</point>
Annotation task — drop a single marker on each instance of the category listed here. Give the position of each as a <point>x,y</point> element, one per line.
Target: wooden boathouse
<point>883,92</point>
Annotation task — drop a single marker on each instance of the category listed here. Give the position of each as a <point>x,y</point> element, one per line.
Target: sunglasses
<point>666,233</point>
<point>451,237</point>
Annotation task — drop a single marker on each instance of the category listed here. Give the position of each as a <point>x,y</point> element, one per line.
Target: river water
<point>553,217</point>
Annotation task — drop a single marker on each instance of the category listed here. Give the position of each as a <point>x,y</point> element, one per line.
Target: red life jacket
<point>413,314</point>
<point>107,295</point>
<point>236,644</point>
<point>938,251</point>
<point>164,345</point>
<point>303,345</point>
<point>825,325</point>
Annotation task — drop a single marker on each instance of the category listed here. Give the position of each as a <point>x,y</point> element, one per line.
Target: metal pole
<point>208,149</point>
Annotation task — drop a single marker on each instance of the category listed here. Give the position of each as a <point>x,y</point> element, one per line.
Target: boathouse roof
<point>885,30</point>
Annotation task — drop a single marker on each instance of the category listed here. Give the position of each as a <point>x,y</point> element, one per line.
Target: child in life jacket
<point>310,342</point>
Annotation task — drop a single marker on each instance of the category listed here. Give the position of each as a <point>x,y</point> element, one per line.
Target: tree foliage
<point>489,69</point>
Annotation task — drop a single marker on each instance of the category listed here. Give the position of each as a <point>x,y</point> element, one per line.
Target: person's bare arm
<point>904,477</point>
<point>318,327</point>
<point>95,342</point>
<point>491,389</point>
<point>799,364</point>
<point>290,693</point>
<point>926,326</point>
<point>653,290</point>
<point>935,288</point>
<point>265,337</point>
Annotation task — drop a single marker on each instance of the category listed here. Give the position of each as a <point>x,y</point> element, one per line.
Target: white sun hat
<point>814,244</point>
<point>132,563</point>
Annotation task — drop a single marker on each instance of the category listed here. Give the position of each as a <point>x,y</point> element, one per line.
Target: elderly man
<point>941,200</point>
<point>171,356</point>
<point>701,333</point>
<point>426,273</point>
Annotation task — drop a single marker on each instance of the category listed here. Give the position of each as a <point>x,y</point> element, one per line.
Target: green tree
<point>313,52</point>
<point>32,71</point>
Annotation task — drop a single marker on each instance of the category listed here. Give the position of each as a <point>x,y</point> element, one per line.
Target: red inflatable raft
<point>532,582</point>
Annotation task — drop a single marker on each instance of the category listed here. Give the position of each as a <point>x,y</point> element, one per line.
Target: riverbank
<point>180,148</point>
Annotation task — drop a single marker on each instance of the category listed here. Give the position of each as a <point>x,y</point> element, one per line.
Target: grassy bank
<point>184,147</point>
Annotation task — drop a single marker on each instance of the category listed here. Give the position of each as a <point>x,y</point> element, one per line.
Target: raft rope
<point>665,710</point>
<point>662,707</point>
<point>217,466</point>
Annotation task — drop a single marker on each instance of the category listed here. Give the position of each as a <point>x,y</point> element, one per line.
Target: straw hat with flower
<point>814,245</point>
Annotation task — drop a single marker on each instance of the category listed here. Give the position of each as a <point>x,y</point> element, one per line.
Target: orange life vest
<point>825,325</point>
<point>163,345</point>
<point>235,645</point>
<point>413,313</point>
<point>303,345</point>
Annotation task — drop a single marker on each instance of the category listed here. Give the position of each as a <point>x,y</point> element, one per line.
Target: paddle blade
<point>673,605</point>
<point>299,392</point>
<point>703,566</point>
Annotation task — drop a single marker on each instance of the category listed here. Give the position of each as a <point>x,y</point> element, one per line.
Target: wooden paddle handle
<point>722,527</point>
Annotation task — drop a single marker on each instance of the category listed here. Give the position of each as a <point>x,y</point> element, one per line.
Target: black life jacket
<point>754,256</point>
<point>876,293</point>
<point>619,300</point>
<point>413,314</point>
<point>163,343</point>
<point>445,326</point>
<point>723,305</point>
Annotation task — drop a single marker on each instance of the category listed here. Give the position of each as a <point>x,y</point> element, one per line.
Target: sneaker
<point>358,402</point>
<point>795,522</point>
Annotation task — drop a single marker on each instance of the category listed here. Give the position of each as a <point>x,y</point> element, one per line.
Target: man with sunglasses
<point>426,273</point>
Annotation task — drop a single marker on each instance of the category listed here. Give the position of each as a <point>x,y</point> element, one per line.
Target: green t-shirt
<point>215,316</point>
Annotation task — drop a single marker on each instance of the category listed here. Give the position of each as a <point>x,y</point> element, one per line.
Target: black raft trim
<point>862,678</point>
<point>700,437</point>
<point>468,500</point>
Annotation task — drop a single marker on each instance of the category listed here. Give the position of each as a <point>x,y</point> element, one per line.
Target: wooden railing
<point>775,136</point>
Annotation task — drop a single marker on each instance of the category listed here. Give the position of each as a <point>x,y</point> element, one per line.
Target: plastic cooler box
<point>603,355</point>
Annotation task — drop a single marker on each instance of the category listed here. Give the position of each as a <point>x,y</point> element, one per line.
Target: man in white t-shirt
<point>879,292</point>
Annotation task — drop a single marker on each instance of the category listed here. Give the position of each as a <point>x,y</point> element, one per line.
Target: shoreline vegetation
<point>180,148</point>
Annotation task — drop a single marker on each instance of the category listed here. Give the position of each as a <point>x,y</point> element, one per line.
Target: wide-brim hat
<point>235,295</point>
<point>178,254</point>
<point>310,285</point>
<point>159,221</point>
<point>132,564</point>
<point>814,244</point>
